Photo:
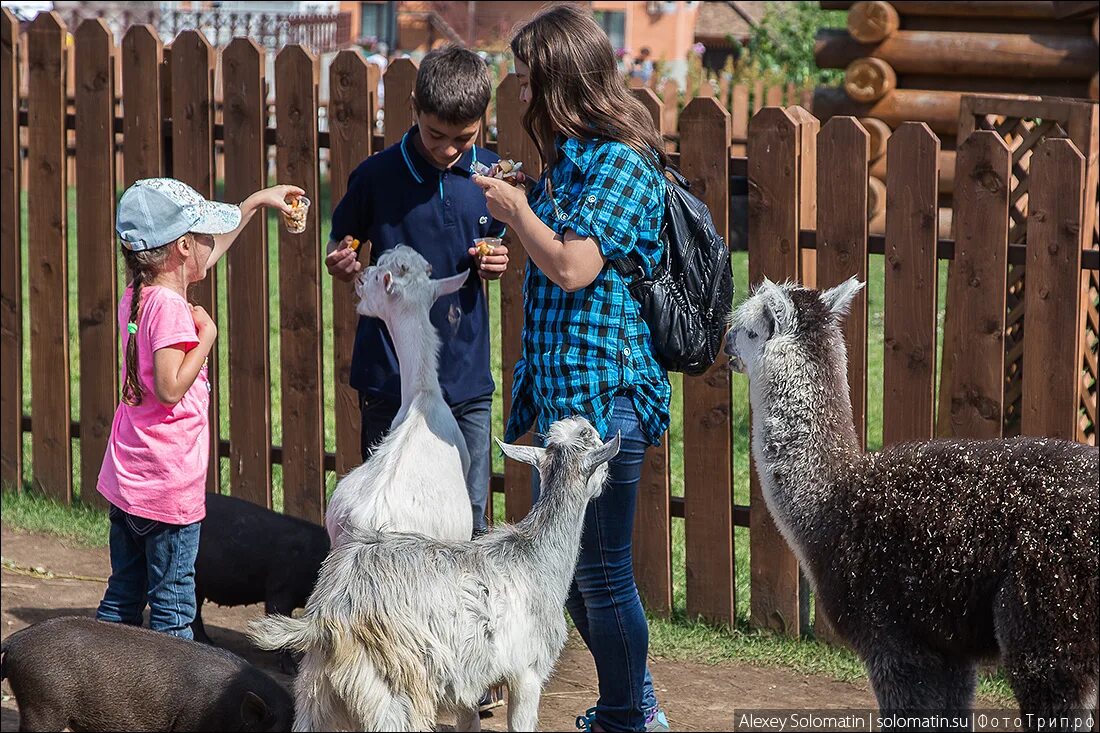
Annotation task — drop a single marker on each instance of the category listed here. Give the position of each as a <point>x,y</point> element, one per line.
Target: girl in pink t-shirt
<point>154,470</point>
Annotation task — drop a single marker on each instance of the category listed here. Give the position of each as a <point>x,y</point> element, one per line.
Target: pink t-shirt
<point>157,456</point>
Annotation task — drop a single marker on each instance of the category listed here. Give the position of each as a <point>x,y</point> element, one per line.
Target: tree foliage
<point>781,44</point>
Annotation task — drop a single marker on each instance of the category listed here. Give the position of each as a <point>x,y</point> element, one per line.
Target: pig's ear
<point>253,709</point>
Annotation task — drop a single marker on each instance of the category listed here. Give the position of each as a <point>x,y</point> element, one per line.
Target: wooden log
<point>876,197</point>
<point>978,8</point>
<point>939,110</point>
<point>1094,87</point>
<point>879,133</point>
<point>870,21</point>
<point>995,85</point>
<point>869,79</point>
<point>962,54</point>
<point>879,169</point>
<point>1051,360</point>
<point>1077,9</point>
<point>979,24</point>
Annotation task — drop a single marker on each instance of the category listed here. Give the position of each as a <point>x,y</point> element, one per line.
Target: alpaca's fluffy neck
<point>552,530</point>
<point>803,437</point>
<point>417,345</point>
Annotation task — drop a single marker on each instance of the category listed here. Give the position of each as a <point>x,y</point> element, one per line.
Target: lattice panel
<point>1090,339</point>
<point>1021,135</point>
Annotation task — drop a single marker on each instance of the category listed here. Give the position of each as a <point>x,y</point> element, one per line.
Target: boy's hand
<point>274,197</point>
<point>343,262</point>
<point>505,201</point>
<point>204,325</point>
<point>492,266</point>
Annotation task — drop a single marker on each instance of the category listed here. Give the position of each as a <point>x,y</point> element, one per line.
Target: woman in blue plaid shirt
<point>586,349</point>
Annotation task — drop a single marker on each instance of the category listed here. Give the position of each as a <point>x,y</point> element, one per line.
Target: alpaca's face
<point>775,316</point>
<point>401,274</point>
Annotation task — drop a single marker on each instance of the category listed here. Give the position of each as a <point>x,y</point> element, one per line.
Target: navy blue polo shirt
<point>397,197</point>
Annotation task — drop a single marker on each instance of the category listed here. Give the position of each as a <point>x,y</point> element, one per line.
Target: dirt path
<point>696,696</point>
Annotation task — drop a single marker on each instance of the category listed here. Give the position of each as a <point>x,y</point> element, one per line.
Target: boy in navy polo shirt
<point>418,192</point>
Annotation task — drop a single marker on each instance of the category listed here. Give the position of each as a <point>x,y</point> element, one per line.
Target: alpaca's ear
<point>603,454</point>
<point>778,310</point>
<point>523,453</point>
<point>839,299</point>
<point>448,285</point>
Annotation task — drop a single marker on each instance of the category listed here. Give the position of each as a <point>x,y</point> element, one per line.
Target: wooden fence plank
<point>653,519</point>
<point>978,282</point>
<point>48,258</point>
<point>670,98</point>
<point>739,123</point>
<point>300,286</point>
<point>807,185</point>
<point>192,105</point>
<point>1055,220</point>
<point>351,124</point>
<point>244,87</point>
<point>97,293</point>
<point>774,96</point>
<point>757,96</point>
<point>400,81</point>
<point>142,54</point>
<point>11,278</point>
<point>513,143</point>
<point>774,143</point>
<point>909,321</point>
<point>708,485</point>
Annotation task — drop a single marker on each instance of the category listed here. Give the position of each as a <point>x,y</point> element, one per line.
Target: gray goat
<point>929,556</point>
<point>401,625</point>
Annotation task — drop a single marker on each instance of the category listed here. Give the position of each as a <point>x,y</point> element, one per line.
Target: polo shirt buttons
<point>447,203</point>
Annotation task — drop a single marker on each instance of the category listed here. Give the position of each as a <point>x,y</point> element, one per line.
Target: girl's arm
<point>275,197</point>
<point>572,262</point>
<point>175,370</point>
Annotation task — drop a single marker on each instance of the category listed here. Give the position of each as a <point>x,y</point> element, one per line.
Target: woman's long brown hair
<point>576,87</point>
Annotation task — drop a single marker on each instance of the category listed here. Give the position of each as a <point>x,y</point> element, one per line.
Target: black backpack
<point>687,302</point>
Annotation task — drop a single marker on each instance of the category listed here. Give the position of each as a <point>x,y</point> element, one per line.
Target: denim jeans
<point>603,599</point>
<point>151,562</point>
<point>473,417</point>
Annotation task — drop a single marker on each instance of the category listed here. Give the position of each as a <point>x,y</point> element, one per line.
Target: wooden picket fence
<point>808,189</point>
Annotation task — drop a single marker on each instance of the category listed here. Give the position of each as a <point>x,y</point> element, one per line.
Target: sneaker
<point>493,698</point>
<point>586,721</point>
<point>656,720</point>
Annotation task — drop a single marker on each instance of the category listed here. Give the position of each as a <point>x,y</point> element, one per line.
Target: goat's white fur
<point>401,625</point>
<point>416,479</point>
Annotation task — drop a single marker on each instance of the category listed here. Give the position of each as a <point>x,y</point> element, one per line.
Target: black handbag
<point>687,300</point>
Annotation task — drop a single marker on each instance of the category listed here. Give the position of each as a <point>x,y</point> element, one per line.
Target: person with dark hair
<point>586,349</point>
<point>419,192</point>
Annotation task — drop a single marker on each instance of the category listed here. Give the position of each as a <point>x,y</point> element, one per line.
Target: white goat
<point>400,625</point>
<point>416,479</point>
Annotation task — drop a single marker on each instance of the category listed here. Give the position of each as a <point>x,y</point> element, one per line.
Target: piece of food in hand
<point>354,245</point>
<point>486,245</point>
<point>507,169</point>
<point>480,168</point>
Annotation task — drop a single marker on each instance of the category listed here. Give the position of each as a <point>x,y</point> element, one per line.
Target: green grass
<point>675,638</point>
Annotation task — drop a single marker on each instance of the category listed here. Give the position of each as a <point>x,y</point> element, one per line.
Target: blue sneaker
<point>586,721</point>
<point>655,720</point>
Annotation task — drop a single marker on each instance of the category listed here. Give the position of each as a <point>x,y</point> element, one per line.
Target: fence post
<point>97,294</point>
<point>978,283</point>
<point>708,479</point>
<point>244,84</point>
<point>773,162</point>
<point>911,283</point>
<point>192,105</point>
<point>142,56</point>
<point>300,287</point>
<point>1055,221</point>
<point>11,279</point>
<point>399,81</point>
<point>47,229</point>
<point>513,142</point>
<point>653,519</point>
<point>351,134</point>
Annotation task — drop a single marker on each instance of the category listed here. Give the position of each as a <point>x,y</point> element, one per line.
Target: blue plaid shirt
<point>580,349</point>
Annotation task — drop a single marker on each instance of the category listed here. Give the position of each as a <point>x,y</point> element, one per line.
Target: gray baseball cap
<point>156,211</point>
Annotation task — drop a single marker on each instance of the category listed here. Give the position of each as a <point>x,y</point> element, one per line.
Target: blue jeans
<point>473,418</point>
<point>151,562</point>
<point>603,599</point>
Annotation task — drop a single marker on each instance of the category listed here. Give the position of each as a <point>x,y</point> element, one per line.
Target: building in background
<point>721,26</point>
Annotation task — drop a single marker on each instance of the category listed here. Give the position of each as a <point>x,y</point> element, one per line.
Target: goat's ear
<point>839,299</point>
<point>448,285</point>
<point>778,310</point>
<point>604,453</point>
<point>387,280</point>
<point>522,453</point>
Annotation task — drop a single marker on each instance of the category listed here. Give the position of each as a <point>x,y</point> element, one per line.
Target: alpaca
<point>416,479</point>
<point>928,556</point>
<point>401,625</point>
